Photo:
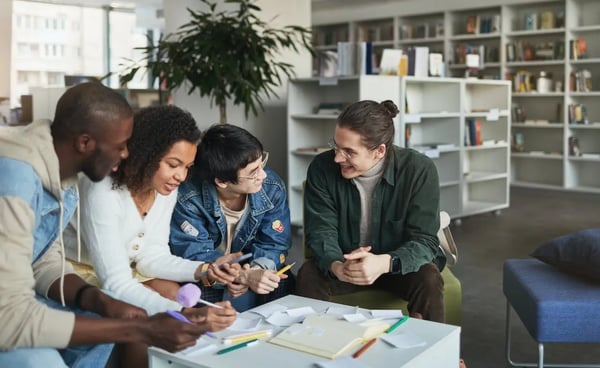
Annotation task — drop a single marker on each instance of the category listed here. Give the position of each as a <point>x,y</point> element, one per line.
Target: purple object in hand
<point>188,295</point>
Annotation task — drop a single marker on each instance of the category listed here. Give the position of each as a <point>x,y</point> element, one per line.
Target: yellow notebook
<point>327,336</point>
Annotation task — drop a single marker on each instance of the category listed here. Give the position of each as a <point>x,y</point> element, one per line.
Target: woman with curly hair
<point>125,219</point>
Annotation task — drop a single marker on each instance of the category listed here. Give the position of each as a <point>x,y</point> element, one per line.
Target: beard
<point>97,168</point>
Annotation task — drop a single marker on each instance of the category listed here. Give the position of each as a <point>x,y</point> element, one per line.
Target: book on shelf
<point>418,61</point>
<point>578,48</point>
<point>390,62</point>
<point>578,114</point>
<point>330,108</point>
<point>327,64</point>
<point>436,64</point>
<point>433,145</point>
<point>327,336</point>
<point>547,19</point>
<point>474,132</point>
<point>354,58</point>
<point>518,114</point>
<point>518,142</point>
<point>531,21</point>
<point>580,81</point>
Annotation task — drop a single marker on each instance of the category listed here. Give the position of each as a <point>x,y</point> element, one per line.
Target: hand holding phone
<point>239,259</point>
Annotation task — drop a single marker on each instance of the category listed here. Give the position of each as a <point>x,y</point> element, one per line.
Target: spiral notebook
<point>327,336</point>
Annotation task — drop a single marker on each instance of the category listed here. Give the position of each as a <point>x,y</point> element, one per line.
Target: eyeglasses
<point>263,164</point>
<point>345,153</point>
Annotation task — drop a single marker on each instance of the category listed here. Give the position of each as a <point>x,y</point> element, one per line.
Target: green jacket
<point>405,211</point>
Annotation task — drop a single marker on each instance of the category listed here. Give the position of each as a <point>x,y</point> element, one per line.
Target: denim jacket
<point>198,225</point>
<point>32,199</point>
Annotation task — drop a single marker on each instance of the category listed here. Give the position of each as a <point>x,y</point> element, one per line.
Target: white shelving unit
<point>308,132</point>
<point>473,179</point>
<point>545,161</point>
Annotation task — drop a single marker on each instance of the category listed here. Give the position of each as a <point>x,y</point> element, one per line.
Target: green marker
<point>395,325</point>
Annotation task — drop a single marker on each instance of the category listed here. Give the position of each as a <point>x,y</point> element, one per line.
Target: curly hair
<point>155,131</point>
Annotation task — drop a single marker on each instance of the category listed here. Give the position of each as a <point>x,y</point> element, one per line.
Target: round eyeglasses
<point>263,164</point>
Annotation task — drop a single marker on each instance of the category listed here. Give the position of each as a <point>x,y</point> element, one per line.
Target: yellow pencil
<point>246,337</point>
<point>284,269</point>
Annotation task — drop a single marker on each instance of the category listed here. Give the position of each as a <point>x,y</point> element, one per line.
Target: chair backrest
<point>446,240</point>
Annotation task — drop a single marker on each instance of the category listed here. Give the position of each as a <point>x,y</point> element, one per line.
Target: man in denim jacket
<point>233,203</point>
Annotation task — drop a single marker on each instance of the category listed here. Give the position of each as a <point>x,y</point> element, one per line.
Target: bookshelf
<point>522,41</point>
<point>474,178</point>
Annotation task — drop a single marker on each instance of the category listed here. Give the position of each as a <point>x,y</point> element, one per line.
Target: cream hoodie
<point>25,321</point>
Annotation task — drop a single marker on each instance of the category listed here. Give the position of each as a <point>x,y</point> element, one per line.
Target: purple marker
<point>178,316</point>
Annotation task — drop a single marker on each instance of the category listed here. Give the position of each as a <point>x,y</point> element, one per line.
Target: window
<point>71,40</point>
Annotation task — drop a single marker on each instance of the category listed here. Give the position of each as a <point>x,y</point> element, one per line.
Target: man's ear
<point>380,151</point>
<point>85,144</point>
<point>221,184</point>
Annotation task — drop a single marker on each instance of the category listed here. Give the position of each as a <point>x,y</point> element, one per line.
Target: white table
<point>441,350</point>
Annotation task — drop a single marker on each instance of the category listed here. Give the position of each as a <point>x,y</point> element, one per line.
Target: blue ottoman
<point>554,306</point>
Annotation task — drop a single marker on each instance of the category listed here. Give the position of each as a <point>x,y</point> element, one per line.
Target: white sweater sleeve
<point>155,258</point>
<point>105,222</point>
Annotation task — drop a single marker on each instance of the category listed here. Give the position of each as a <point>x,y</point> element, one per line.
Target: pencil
<point>285,268</point>
<point>360,351</point>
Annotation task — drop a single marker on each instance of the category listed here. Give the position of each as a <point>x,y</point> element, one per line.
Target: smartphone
<point>239,259</point>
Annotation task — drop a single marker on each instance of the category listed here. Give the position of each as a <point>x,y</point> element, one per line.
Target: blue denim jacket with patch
<point>198,225</point>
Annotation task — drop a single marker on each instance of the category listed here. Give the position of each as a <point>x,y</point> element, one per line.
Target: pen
<point>238,346</point>
<point>178,316</point>
<point>360,351</point>
<point>395,325</point>
<point>285,268</point>
<point>210,304</point>
<point>234,339</point>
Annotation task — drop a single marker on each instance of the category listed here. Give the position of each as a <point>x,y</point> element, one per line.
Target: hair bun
<point>391,107</point>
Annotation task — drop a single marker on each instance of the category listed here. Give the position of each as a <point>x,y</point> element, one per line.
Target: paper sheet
<point>245,324</point>
<point>403,340</point>
<point>387,313</point>
<point>284,319</point>
<point>268,309</point>
<point>340,311</point>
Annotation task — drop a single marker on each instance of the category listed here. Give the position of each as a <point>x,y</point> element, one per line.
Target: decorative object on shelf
<point>225,55</point>
<point>544,82</point>
<point>574,146</point>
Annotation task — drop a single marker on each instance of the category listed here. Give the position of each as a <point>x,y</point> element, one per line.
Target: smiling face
<point>173,167</point>
<point>352,155</point>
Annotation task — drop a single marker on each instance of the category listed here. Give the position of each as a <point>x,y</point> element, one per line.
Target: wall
<point>5,46</point>
<point>331,11</point>
<point>270,125</point>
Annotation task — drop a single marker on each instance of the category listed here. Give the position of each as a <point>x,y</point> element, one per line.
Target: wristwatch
<point>394,264</point>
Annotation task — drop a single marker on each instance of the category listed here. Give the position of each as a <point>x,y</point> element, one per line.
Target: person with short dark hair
<point>50,317</point>
<point>371,215</point>
<point>234,203</point>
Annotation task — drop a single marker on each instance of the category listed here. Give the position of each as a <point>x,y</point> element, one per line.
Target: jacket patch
<point>187,228</point>
<point>277,226</point>
<point>281,258</point>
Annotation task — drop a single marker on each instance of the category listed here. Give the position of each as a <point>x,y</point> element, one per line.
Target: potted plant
<point>223,54</point>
